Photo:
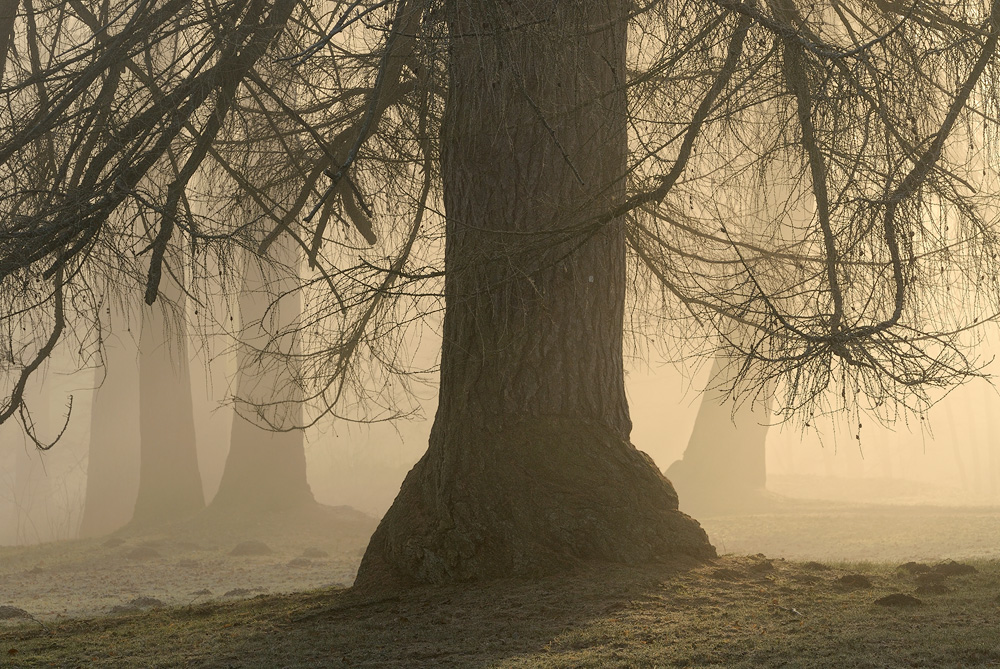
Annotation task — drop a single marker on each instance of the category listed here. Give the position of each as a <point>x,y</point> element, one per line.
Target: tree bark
<point>265,469</point>
<point>529,467</point>
<point>8,15</point>
<point>169,478</point>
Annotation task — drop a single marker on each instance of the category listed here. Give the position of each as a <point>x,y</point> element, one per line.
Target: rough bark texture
<point>723,468</point>
<point>266,470</point>
<point>529,466</point>
<point>169,479</point>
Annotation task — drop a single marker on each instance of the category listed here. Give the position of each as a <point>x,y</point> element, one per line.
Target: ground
<point>188,563</point>
<point>749,610</point>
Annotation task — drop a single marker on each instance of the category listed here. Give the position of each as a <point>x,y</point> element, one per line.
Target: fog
<point>948,459</point>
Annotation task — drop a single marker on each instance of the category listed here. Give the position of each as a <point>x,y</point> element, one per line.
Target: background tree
<point>113,453</point>
<point>265,469</point>
<point>723,468</point>
<point>169,479</point>
<point>266,466</point>
<point>563,152</point>
<point>143,460</point>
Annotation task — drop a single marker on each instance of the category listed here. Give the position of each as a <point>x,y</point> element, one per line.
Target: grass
<point>734,612</point>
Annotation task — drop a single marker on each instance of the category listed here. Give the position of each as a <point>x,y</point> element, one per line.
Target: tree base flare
<point>527,499</point>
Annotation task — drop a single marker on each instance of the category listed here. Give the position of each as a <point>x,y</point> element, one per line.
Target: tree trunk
<point>113,461</point>
<point>32,485</point>
<point>723,468</point>
<point>169,479</point>
<point>529,467</point>
<point>266,470</point>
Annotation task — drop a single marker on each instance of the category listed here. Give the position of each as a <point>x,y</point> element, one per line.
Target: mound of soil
<point>251,548</point>
<point>854,581</point>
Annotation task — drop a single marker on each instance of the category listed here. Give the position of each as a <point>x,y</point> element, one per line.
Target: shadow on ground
<point>732,612</point>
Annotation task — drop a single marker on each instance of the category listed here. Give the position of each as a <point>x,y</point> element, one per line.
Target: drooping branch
<point>797,81</point>
<point>234,64</point>
<point>16,401</point>
<point>139,127</point>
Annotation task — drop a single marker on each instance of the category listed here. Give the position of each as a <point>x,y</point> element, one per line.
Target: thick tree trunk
<point>723,468</point>
<point>265,469</point>
<point>169,479</point>
<point>529,467</point>
<point>113,460</point>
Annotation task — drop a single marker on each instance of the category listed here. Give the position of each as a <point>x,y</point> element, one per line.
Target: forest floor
<point>179,597</point>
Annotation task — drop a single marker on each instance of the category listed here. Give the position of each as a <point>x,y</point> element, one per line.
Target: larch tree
<point>550,174</point>
<point>113,453</point>
<point>723,469</point>
<point>266,465</point>
<point>169,478</point>
<point>529,463</point>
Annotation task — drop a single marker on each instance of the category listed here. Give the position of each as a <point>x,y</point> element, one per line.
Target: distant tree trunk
<point>33,482</point>
<point>216,363</point>
<point>265,469</point>
<point>113,461</point>
<point>32,488</point>
<point>529,467</point>
<point>723,468</point>
<point>8,14</point>
<point>169,479</point>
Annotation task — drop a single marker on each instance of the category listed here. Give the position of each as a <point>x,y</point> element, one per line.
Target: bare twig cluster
<point>810,181</point>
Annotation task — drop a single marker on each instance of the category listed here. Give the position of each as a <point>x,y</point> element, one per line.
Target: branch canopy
<point>808,185</point>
